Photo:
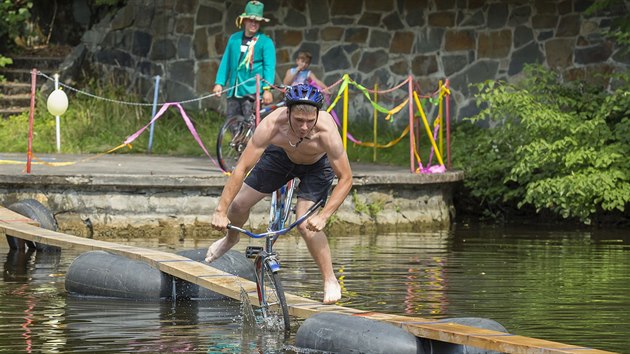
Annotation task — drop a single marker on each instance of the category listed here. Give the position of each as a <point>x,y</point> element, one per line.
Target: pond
<point>564,285</point>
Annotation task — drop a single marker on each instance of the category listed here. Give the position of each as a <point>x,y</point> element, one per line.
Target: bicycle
<point>235,134</point>
<point>271,298</point>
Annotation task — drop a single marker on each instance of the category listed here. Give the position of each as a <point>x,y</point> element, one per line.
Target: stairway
<point>15,92</point>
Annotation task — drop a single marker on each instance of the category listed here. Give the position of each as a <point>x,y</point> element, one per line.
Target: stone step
<point>13,88</point>
<point>6,112</point>
<point>18,75</point>
<point>44,63</point>
<point>16,100</point>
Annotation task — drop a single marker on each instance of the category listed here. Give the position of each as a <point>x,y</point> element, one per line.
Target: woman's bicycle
<point>234,135</point>
<point>271,298</point>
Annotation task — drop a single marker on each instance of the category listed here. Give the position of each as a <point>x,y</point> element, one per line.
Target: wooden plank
<point>232,286</point>
<point>9,216</point>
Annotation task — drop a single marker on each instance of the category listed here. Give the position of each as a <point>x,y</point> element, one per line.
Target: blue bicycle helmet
<point>303,94</point>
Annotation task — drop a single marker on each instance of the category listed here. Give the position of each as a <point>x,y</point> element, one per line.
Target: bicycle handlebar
<point>281,231</point>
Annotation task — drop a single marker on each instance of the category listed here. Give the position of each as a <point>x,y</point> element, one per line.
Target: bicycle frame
<point>265,259</point>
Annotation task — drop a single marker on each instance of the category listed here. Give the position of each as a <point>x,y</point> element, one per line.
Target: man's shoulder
<point>264,38</point>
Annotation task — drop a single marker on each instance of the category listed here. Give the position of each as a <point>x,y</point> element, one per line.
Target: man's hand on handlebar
<point>219,221</point>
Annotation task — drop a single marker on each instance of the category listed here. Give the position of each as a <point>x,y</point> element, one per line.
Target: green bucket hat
<point>254,11</point>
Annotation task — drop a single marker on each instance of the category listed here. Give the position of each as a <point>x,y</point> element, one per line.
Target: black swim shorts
<point>275,169</point>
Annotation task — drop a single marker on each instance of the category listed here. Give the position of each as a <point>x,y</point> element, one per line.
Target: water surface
<point>564,285</point>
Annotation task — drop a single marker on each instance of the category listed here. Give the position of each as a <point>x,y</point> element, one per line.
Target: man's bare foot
<point>218,249</point>
<point>332,292</point>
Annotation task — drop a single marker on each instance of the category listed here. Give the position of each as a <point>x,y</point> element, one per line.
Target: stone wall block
<point>559,52</point>
<point>593,54</point>
<point>402,43</point>
<point>474,19</point>
<point>530,53</point>
<point>295,19</point>
<point>569,26</point>
<point>544,21</point>
<point>332,33</point>
<point>208,15</point>
<point>429,40</point>
<point>184,25</point>
<point>163,49</point>
<point>319,12</point>
<point>356,35</point>
<point>369,19</point>
<point>182,71</point>
<point>201,44</point>
<point>186,6</point>
<point>347,8</point>
<point>442,19</point>
<point>141,43</point>
<point>496,44</point>
<point>380,5</point>
<point>380,39</point>
<point>441,5</point>
<point>453,63</point>
<point>415,13</point>
<point>545,7</point>
<point>371,61</point>
<point>456,40</point>
<point>335,59</point>
<point>497,15</point>
<point>424,65</point>
<point>392,22</point>
<point>522,36</point>
<point>123,19</point>
<point>289,38</point>
<point>520,16</point>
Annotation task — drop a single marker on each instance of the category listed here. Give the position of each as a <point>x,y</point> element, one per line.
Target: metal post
<point>29,150</point>
<point>156,89</point>
<point>257,103</point>
<point>412,142</point>
<point>57,120</point>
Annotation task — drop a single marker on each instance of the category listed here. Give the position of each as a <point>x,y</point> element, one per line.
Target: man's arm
<point>269,70</point>
<point>255,147</point>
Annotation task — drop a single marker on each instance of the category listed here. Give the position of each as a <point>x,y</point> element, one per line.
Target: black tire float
<point>339,333</point>
<point>34,210</point>
<point>104,274</point>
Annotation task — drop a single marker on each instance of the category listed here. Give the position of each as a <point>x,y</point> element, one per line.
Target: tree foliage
<point>559,147</point>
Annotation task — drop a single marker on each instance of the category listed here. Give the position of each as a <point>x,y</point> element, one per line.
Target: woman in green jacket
<point>247,53</point>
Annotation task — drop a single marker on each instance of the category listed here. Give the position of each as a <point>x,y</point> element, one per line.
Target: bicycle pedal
<point>253,251</point>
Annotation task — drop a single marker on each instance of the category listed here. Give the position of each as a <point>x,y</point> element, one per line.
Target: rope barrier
<point>344,82</point>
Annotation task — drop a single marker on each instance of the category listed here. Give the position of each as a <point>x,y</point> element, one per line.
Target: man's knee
<point>306,233</point>
<point>238,209</point>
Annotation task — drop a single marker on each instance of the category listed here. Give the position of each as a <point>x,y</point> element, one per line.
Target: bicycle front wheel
<point>231,142</point>
<point>273,304</point>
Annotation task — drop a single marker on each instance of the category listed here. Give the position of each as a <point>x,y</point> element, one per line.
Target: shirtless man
<point>301,141</point>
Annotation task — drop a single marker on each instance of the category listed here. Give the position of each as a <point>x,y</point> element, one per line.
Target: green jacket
<point>233,70</point>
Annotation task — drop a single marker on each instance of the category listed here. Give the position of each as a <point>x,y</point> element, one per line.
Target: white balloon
<point>57,102</point>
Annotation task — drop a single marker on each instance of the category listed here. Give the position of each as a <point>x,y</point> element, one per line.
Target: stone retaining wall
<point>375,41</point>
<point>180,206</point>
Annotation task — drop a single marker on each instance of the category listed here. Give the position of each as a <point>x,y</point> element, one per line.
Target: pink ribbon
<point>188,122</point>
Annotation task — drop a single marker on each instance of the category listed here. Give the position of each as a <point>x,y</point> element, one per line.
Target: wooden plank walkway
<point>12,224</point>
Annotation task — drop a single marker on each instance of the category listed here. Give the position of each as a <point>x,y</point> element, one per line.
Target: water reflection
<point>563,285</point>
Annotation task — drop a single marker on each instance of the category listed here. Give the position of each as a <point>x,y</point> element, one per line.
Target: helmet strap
<point>293,130</point>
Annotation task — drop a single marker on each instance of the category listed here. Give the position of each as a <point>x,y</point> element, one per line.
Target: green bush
<point>556,147</point>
